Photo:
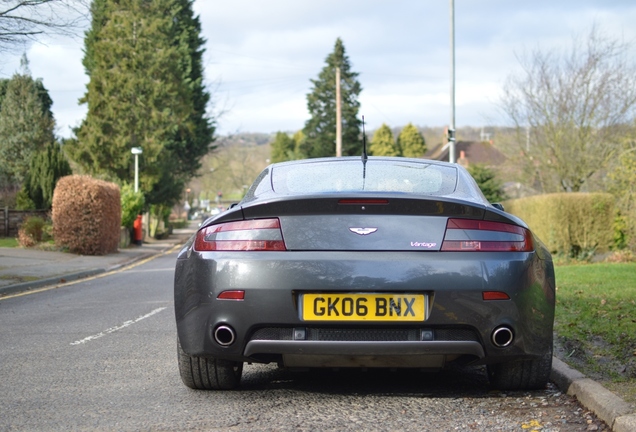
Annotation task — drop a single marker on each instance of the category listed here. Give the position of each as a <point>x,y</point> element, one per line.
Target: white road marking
<point>117,328</point>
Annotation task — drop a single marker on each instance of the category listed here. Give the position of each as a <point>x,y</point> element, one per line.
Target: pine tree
<point>320,129</point>
<point>488,182</point>
<point>26,124</point>
<point>46,168</point>
<point>144,60</point>
<point>383,143</point>
<point>287,148</point>
<point>98,20</point>
<point>282,146</point>
<point>191,144</point>
<point>299,141</point>
<point>411,142</point>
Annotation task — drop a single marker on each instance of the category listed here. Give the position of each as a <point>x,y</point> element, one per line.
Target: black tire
<point>521,374</point>
<point>208,373</point>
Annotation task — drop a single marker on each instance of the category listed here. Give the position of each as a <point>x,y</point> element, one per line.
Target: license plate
<point>363,307</point>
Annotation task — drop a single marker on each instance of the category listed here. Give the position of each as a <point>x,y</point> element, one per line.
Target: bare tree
<point>23,21</point>
<point>572,110</point>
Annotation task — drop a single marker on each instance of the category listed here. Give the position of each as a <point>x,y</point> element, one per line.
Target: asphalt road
<point>100,354</point>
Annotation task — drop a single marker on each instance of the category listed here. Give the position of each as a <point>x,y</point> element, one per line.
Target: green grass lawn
<point>8,242</point>
<point>596,321</point>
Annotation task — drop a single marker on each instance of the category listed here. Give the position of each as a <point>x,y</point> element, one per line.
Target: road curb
<point>31,285</point>
<point>610,408</point>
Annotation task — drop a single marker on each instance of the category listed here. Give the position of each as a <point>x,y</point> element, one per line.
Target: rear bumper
<point>454,283</point>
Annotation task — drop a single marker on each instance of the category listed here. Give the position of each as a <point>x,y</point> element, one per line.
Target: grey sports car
<point>364,262</point>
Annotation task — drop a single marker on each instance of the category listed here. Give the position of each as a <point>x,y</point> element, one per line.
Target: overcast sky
<point>262,54</point>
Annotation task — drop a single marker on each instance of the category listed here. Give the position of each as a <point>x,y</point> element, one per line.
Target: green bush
<point>132,204</point>
<point>572,224</point>
<point>31,231</point>
<point>23,201</point>
<point>159,220</point>
<point>490,185</point>
<point>621,232</point>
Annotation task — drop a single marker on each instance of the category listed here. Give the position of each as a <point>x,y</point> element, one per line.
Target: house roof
<point>472,152</point>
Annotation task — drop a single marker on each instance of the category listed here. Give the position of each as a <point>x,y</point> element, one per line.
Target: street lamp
<point>136,151</point>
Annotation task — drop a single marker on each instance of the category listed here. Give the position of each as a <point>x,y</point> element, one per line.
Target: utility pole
<point>451,130</point>
<point>338,115</point>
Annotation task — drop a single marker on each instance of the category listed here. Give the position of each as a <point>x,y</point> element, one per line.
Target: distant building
<point>470,152</point>
<point>482,153</point>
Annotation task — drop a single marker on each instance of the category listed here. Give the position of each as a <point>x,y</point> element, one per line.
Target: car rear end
<point>357,279</point>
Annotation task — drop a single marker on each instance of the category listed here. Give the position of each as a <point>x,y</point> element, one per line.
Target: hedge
<point>568,223</point>
<point>86,215</point>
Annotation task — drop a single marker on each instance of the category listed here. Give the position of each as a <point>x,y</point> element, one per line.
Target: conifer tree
<point>144,60</point>
<point>299,141</point>
<point>46,168</point>
<point>92,35</point>
<point>286,148</point>
<point>190,145</point>
<point>411,142</point>
<point>488,182</point>
<point>26,124</point>
<point>282,146</point>
<point>320,129</point>
<point>383,143</point>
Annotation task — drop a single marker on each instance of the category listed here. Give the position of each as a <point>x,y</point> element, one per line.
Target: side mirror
<point>498,206</point>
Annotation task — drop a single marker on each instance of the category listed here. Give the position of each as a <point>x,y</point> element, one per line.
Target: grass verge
<point>596,323</point>
<point>8,242</point>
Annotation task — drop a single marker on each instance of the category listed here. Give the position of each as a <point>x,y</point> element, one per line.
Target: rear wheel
<point>208,373</point>
<point>521,374</point>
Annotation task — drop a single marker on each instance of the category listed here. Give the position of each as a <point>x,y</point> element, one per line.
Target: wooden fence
<point>10,220</point>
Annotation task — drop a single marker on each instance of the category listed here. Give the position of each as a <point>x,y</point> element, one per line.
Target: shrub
<point>572,224</point>
<point>46,167</point>
<point>490,185</point>
<point>621,232</point>
<point>86,215</point>
<point>621,256</point>
<point>31,231</point>
<point>132,203</point>
<point>23,202</point>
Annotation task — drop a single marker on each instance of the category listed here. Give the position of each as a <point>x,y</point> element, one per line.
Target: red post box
<point>138,233</point>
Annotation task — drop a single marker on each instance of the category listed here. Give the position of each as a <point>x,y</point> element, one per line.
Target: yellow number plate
<point>363,307</point>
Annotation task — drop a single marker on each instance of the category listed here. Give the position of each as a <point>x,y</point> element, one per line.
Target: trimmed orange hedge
<point>86,215</point>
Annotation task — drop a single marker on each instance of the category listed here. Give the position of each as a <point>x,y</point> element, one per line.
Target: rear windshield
<point>372,176</point>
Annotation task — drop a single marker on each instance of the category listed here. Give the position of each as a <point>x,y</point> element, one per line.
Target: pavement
<point>25,269</point>
<point>22,270</point>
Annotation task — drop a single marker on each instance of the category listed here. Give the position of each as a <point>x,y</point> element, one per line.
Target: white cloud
<point>261,56</point>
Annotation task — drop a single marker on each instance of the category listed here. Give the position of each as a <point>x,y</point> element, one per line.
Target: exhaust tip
<point>224,335</point>
<point>502,336</point>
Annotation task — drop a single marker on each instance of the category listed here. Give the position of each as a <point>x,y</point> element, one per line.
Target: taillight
<point>248,235</point>
<point>467,235</point>
<point>367,201</point>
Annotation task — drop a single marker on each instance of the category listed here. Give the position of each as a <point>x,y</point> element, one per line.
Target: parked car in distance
<point>359,262</point>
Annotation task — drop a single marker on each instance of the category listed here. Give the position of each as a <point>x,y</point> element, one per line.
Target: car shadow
<point>451,382</point>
